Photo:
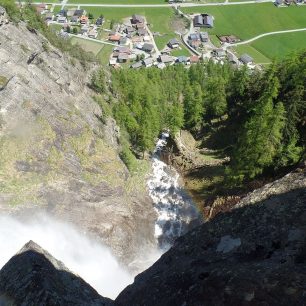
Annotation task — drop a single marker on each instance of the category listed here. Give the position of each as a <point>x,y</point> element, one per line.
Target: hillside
<point>56,154</point>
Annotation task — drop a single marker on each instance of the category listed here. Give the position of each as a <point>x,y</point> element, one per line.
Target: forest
<point>262,113</point>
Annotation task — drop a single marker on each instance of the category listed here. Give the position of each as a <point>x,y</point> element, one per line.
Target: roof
<point>148,61</point>
<point>137,18</point>
<point>115,37</point>
<point>194,36</point>
<point>245,58</point>
<point>123,56</point>
<point>174,41</point>
<point>220,52</point>
<point>182,59</point>
<point>136,65</point>
<point>208,20</point>
<point>166,58</point>
<point>198,19</point>
<point>204,35</point>
<point>194,59</point>
<point>147,47</point>
<point>79,13</point>
<point>123,49</point>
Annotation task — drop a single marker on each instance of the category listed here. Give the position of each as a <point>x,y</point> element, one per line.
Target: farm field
<point>278,46</point>
<point>249,20</point>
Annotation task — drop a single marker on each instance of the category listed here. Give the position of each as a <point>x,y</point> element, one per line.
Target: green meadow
<point>249,20</point>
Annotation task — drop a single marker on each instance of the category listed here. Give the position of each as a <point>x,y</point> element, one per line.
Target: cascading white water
<point>175,208</point>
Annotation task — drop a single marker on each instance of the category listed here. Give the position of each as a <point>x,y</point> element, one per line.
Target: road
<point>263,35</point>
<point>63,4</point>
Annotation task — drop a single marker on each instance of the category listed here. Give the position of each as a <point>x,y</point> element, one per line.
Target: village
<point>134,43</point>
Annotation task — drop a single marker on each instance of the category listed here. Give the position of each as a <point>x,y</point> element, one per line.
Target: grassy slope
<point>119,1</point>
<point>87,45</point>
<point>257,56</point>
<point>247,21</point>
<point>278,46</point>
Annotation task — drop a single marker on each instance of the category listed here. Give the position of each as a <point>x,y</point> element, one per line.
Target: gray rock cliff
<point>56,155</point>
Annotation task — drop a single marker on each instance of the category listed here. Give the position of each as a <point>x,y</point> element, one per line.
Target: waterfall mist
<point>89,259</point>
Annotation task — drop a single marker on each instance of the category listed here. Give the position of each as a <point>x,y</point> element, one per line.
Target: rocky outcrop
<point>57,155</point>
<point>253,255</point>
<point>34,277</point>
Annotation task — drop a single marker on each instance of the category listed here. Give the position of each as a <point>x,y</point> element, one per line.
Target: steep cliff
<point>56,154</point>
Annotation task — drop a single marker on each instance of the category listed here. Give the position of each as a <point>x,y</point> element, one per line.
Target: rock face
<point>56,155</point>
<point>253,255</point>
<point>34,277</point>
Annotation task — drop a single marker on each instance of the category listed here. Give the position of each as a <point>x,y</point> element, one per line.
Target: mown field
<point>249,20</point>
<point>119,1</point>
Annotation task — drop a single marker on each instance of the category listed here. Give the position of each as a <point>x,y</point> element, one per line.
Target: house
<point>74,19</point>
<point>194,59</point>
<point>142,32</point>
<point>278,2</point>
<point>161,65</point>
<point>84,29</point>
<point>123,57</point>
<point>62,13</point>
<point>137,19</point>
<point>228,39</point>
<point>136,65</point>
<point>92,33</point>
<point>140,26</point>
<point>166,59</point>
<point>129,30</point>
<point>114,38</point>
<point>137,39</point>
<point>148,62</point>
<point>194,36</point>
<point>219,53</point>
<point>99,21</point>
<point>49,17</point>
<point>148,47</point>
<point>62,19</point>
<point>146,38</point>
<point>173,43</point>
<point>232,58</point>
<point>195,44</point>
<point>123,41</point>
<point>123,49</point>
<point>182,60</point>
<point>79,13</point>
<point>204,37</point>
<point>246,59</point>
<point>203,21</point>
<point>112,61</point>
<point>83,19</point>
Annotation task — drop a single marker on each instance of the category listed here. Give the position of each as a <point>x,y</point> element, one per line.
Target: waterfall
<point>175,209</point>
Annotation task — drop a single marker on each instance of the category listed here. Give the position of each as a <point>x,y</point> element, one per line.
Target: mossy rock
<point>3,82</point>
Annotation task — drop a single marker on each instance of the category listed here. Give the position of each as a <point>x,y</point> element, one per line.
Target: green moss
<point>3,81</point>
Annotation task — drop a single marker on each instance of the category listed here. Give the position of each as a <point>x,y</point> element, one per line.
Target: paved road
<point>263,35</point>
<point>153,5</point>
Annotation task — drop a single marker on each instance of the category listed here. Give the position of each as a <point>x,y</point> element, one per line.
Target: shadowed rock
<point>254,255</point>
<point>34,277</point>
